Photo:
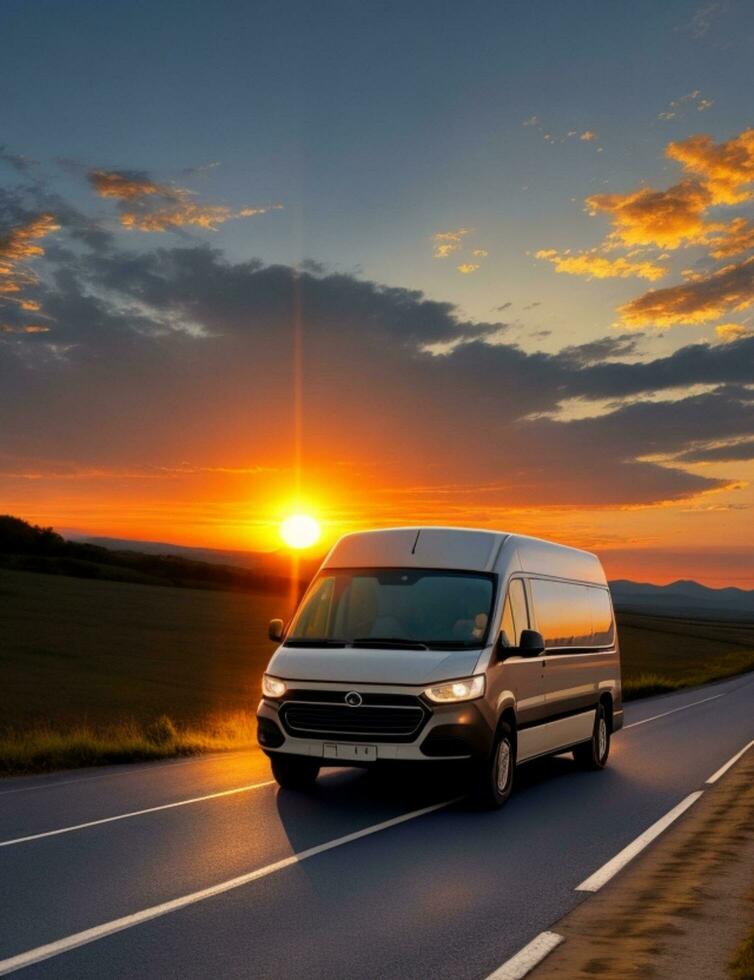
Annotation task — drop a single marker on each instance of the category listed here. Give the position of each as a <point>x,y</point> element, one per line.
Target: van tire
<point>294,772</point>
<point>594,753</point>
<point>493,779</point>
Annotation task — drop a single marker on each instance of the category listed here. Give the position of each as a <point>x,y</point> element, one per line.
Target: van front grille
<point>338,721</point>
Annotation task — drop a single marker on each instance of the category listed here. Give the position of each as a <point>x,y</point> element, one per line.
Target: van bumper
<point>450,733</point>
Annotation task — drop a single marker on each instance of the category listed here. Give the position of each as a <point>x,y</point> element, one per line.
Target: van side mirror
<point>275,630</point>
<point>531,643</point>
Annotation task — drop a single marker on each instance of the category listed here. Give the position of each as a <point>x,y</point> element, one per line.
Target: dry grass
<point>43,749</point>
<point>741,967</point>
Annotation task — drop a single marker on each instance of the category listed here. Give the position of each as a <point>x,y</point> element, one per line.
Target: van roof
<point>464,549</point>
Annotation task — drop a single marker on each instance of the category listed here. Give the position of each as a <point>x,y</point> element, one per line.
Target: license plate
<point>350,753</point>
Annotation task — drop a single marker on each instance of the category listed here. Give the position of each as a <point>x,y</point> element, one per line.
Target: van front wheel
<point>593,754</point>
<point>293,772</point>
<point>493,781</point>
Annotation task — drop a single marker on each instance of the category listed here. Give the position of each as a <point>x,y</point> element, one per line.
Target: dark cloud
<point>21,164</point>
<point>181,354</point>
<point>743,450</point>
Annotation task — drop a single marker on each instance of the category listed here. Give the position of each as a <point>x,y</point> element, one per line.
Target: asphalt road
<point>449,892</point>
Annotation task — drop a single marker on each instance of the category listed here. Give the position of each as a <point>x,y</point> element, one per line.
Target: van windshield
<point>396,607</point>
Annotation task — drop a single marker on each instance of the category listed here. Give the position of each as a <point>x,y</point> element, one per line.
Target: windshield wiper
<point>453,645</point>
<point>388,641</point>
<point>322,642</point>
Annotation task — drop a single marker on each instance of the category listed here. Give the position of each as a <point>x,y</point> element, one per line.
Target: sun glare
<point>300,531</point>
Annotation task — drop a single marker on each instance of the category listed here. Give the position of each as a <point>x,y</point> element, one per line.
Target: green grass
<point>89,668</point>
<point>741,967</point>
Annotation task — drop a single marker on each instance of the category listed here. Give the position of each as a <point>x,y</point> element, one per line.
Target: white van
<point>433,643</point>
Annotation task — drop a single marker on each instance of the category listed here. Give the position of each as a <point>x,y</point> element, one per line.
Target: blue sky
<point>378,124</point>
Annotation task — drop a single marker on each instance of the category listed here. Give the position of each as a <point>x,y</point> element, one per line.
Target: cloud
<point>728,453</point>
<point>21,164</point>
<point>703,18</point>
<point>148,206</point>
<point>502,307</point>
<point>186,212</point>
<point>585,136</point>
<point>595,266</point>
<point>715,175</point>
<point>125,185</point>
<point>480,252</point>
<point>467,267</point>
<point>180,357</point>
<point>730,289</point>
<point>724,168</point>
<point>19,244</point>
<point>28,328</point>
<point>690,100</point>
<point>666,219</point>
<point>735,237</point>
<point>728,332</point>
<point>447,242</point>
<point>674,217</point>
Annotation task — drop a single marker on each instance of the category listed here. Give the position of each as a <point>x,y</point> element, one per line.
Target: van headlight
<point>472,687</point>
<point>272,687</point>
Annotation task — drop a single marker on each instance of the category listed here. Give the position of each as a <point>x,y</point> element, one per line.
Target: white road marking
<point>673,711</point>
<point>594,882</point>
<point>527,958</point>
<point>731,762</point>
<point>134,813</point>
<point>50,950</point>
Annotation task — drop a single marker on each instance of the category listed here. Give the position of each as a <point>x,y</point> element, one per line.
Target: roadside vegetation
<point>97,671</point>
<point>741,967</point>
<point>663,653</point>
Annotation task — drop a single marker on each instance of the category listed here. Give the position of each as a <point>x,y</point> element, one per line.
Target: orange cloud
<point>736,237</point>
<point>29,328</point>
<point>728,332</point>
<point>18,244</point>
<point>667,219</point>
<point>467,267</point>
<point>447,242</point>
<point>724,168</point>
<point>149,206</point>
<point>16,247</point>
<point>588,136</point>
<point>705,298</point>
<point>123,185</point>
<point>186,212</point>
<point>596,266</point>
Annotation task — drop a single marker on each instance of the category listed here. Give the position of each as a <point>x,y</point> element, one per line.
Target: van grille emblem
<point>353,699</point>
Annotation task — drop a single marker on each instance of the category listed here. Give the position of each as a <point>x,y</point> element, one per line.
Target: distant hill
<point>682,598</point>
<point>26,547</point>
<point>215,556</point>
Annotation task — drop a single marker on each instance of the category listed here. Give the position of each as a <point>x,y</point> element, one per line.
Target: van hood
<point>361,665</point>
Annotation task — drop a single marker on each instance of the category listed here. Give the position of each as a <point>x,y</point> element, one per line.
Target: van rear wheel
<point>493,780</point>
<point>294,772</point>
<point>593,754</point>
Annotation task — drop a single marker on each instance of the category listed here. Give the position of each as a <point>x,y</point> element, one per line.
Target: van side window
<point>515,614</point>
<point>572,615</point>
<point>564,616</point>
<point>603,631</point>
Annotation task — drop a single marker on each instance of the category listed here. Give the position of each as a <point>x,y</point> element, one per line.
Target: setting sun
<point>300,531</point>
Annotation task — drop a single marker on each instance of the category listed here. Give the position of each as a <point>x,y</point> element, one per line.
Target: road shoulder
<point>680,910</point>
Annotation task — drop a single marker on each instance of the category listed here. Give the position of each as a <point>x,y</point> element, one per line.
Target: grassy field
<point>96,671</point>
